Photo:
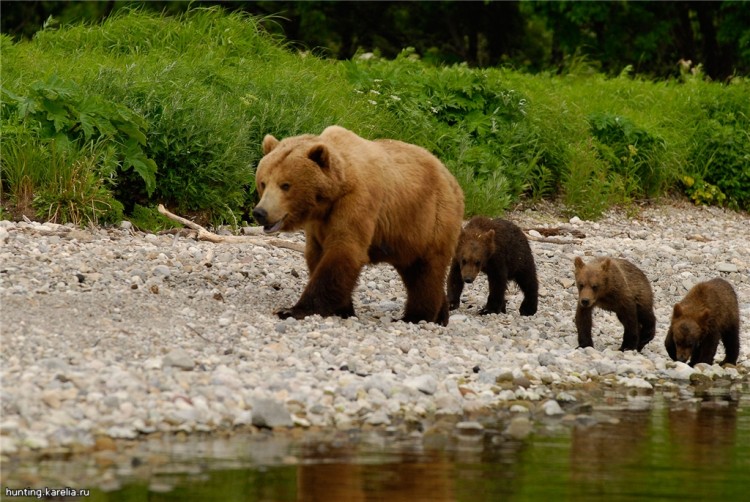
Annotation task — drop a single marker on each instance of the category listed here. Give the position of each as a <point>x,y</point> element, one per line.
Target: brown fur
<point>362,202</point>
<point>618,286</point>
<point>499,249</point>
<point>709,313</point>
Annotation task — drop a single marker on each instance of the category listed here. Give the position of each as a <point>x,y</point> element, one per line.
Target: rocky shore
<point>112,333</point>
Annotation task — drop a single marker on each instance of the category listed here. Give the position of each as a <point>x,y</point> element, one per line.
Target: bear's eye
<point>262,186</point>
<point>595,287</point>
<point>285,187</point>
<point>477,263</point>
<point>580,286</point>
<point>463,261</point>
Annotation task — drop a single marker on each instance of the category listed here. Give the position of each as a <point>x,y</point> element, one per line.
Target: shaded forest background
<point>649,37</point>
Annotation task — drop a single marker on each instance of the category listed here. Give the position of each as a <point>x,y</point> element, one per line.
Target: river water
<point>623,447</point>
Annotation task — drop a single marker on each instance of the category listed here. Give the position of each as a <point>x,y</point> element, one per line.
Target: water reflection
<point>430,478</point>
<point>601,452</point>
<point>704,436</point>
<point>660,449</point>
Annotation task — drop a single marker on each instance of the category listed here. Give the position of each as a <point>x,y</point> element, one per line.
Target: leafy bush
<point>58,110</point>
<point>631,151</point>
<point>719,160</point>
<point>470,119</point>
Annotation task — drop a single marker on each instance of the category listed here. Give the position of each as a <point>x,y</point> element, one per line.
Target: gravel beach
<point>113,333</point>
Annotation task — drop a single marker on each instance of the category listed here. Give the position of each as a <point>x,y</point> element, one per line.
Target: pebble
<point>552,408</point>
<point>112,333</point>
<point>179,358</point>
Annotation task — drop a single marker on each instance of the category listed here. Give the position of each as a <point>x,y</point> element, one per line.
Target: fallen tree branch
<point>549,232</point>
<point>204,235</point>
<point>553,240</point>
<point>543,234</point>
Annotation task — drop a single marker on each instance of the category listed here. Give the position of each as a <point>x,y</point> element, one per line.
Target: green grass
<point>177,107</point>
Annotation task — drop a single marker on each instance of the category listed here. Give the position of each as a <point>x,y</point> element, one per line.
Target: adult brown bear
<point>361,202</point>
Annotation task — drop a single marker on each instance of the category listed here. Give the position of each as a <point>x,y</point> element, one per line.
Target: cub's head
<point>474,249</point>
<point>591,280</point>
<point>686,331</point>
<point>297,181</point>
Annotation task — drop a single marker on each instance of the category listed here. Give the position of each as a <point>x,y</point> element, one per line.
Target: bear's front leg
<point>705,351</point>
<point>583,325</point>
<point>498,283</point>
<point>329,290</point>
<point>670,345</point>
<point>730,337</point>
<point>455,286</point>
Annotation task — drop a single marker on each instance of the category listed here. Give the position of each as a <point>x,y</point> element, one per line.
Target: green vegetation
<point>101,120</point>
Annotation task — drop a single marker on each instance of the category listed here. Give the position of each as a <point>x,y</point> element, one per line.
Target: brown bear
<point>618,286</point>
<point>361,202</point>
<point>501,250</point>
<point>708,313</point>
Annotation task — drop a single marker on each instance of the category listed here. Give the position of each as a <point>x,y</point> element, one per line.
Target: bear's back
<point>716,295</point>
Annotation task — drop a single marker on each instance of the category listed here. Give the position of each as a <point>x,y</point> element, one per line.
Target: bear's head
<point>474,249</point>
<point>297,179</point>
<point>687,328</point>
<point>591,280</point>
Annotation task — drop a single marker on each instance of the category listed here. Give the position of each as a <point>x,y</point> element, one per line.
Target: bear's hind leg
<point>647,322</point>
<point>628,316</point>
<point>425,293</point>
<point>455,286</point>
<point>530,288</point>
<point>731,340</point>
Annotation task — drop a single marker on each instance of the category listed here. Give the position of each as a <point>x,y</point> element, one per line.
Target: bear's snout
<point>468,280</point>
<point>260,215</point>
<point>586,302</point>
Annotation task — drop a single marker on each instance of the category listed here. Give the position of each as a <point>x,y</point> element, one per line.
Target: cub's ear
<point>605,264</point>
<point>578,262</point>
<point>269,143</point>
<point>320,155</point>
<point>489,235</point>
<point>677,311</point>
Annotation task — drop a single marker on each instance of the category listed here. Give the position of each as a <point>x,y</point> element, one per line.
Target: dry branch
<point>204,235</point>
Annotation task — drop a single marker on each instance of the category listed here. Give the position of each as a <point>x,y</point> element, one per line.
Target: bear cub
<point>499,249</point>
<point>618,286</point>
<point>708,313</point>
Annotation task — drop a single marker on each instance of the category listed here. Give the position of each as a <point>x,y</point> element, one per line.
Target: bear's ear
<point>489,235</point>
<point>605,264</point>
<point>319,154</point>
<point>269,143</point>
<point>677,312</point>
<point>578,262</point>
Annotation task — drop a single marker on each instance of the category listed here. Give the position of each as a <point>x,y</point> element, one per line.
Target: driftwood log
<point>548,233</point>
<point>202,234</point>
